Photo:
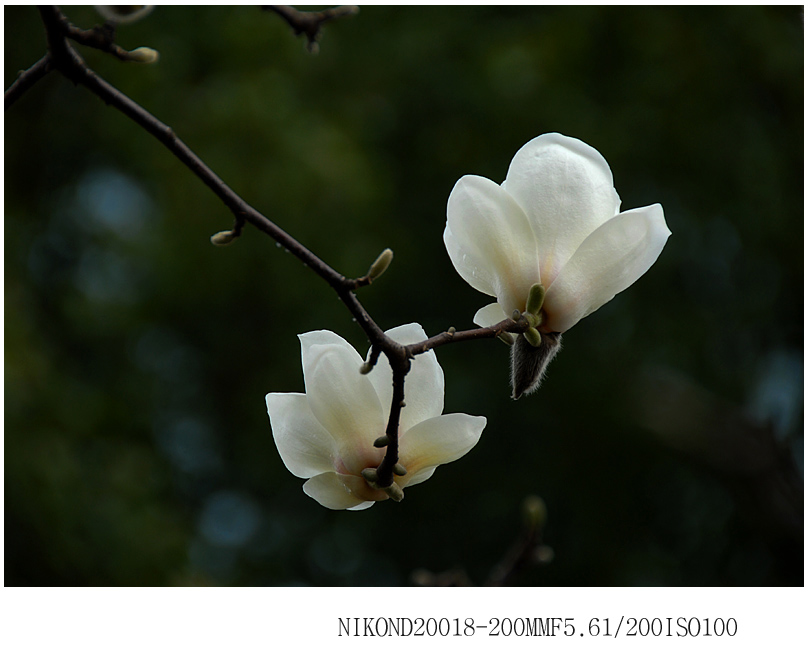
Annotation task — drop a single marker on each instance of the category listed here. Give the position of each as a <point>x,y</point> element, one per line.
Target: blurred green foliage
<point>137,355</point>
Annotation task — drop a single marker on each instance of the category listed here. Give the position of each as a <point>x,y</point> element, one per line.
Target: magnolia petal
<point>341,399</point>
<point>439,440</point>
<point>490,241</point>
<point>332,491</point>
<point>326,337</point>
<point>306,448</point>
<point>489,315</point>
<point>565,187</point>
<point>424,385</point>
<point>475,274</point>
<point>361,506</point>
<point>608,261</point>
<point>411,479</point>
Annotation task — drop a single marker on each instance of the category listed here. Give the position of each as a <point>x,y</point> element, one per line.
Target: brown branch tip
<point>309,23</point>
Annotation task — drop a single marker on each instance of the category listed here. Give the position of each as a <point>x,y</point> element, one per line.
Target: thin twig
<point>27,78</point>
<point>309,23</point>
<point>100,38</point>
<point>483,333</point>
<point>67,60</point>
<point>74,67</point>
<point>526,551</point>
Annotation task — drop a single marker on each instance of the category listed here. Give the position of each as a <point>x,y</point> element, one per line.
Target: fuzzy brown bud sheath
<point>529,362</point>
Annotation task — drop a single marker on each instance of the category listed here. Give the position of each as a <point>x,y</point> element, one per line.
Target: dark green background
<point>667,438</point>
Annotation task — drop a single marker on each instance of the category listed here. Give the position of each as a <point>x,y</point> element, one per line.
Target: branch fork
<point>63,57</point>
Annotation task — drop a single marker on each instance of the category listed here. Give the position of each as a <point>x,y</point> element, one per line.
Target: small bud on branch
<point>534,512</point>
<point>535,301</point>
<point>224,238</point>
<point>533,336</point>
<point>506,337</point>
<point>380,264</point>
<point>143,55</point>
<point>394,492</point>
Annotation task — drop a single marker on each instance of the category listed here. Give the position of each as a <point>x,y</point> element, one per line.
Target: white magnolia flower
<point>554,221</point>
<point>327,435</point>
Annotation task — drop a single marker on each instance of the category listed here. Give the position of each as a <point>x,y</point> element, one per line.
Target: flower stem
<point>400,365</point>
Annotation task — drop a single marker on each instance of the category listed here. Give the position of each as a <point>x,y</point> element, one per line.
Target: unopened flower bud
<point>223,238</point>
<point>366,367</point>
<point>380,264</point>
<point>394,492</point>
<point>381,442</point>
<point>537,294</point>
<point>516,315</point>
<point>534,511</point>
<point>143,55</point>
<point>399,469</point>
<point>370,475</point>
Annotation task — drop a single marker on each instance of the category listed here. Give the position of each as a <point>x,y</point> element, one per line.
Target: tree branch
<point>453,336</point>
<point>527,551</point>
<point>26,79</point>
<point>310,22</point>
<point>67,60</point>
<point>385,471</point>
<point>101,37</point>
